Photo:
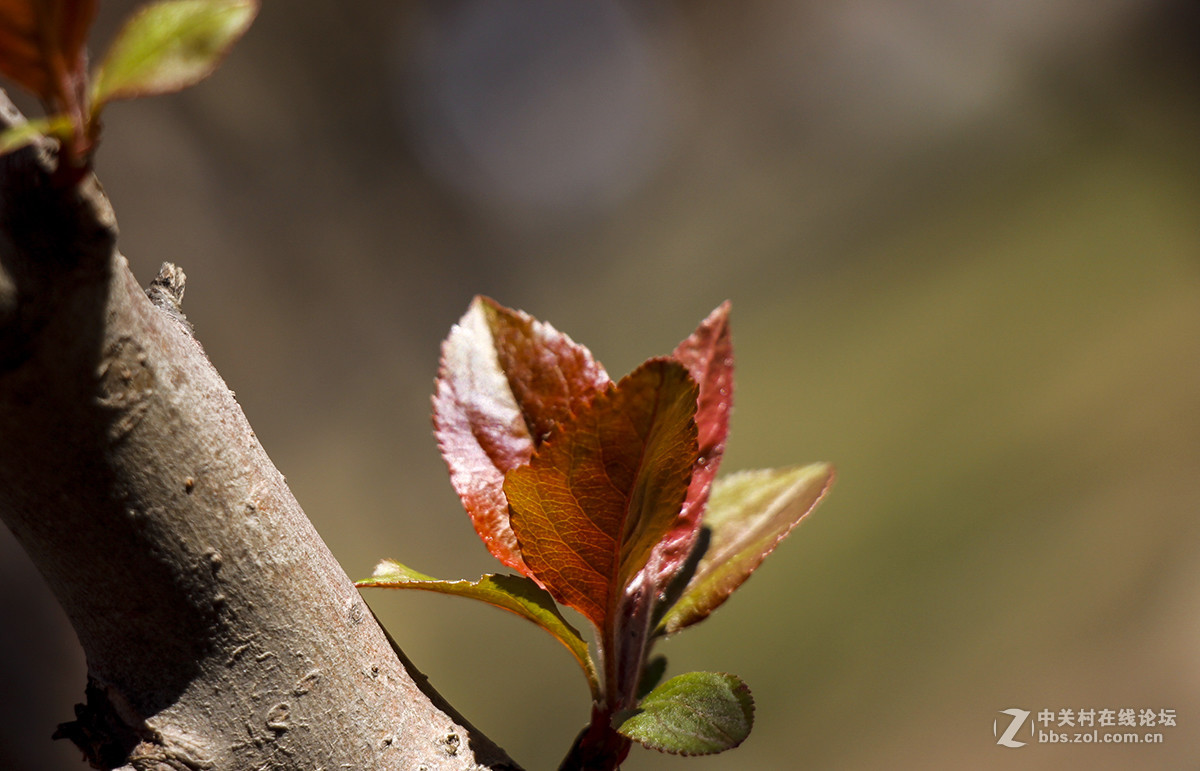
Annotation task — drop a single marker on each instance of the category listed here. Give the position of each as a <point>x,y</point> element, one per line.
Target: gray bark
<point>220,633</point>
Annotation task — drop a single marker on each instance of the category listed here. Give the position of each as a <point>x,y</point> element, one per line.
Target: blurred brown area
<point>962,241</point>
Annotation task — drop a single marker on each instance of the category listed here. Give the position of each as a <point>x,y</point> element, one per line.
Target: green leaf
<point>505,381</point>
<point>600,494</point>
<point>168,46</point>
<point>16,137</point>
<point>748,514</point>
<point>700,713</point>
<point>515,594</point>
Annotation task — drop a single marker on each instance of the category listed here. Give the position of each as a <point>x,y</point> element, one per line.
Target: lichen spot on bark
<point>126,381</point>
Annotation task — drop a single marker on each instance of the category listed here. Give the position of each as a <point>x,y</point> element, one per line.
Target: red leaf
<point>551,376</point>
<point>599,495</point>
<point>42,46</point>
<point>708,355</point>
<point>506,380</point>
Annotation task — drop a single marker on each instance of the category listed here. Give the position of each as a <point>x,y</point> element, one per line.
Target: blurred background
<point>962,241</point>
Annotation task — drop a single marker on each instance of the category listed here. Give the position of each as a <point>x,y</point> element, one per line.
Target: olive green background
<point>962,241</point>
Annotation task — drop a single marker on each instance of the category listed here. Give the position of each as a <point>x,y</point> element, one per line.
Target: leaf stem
<point>598,747</point>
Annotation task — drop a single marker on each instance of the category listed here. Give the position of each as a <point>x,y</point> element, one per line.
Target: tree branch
<point>220,633</point>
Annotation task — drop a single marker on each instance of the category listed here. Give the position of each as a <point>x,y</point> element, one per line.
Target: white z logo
<point>1018,720</point>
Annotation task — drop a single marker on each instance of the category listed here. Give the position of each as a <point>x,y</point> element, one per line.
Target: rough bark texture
<point>220,633</point>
